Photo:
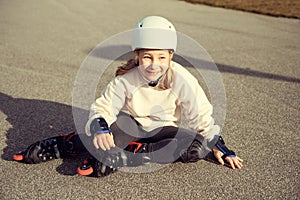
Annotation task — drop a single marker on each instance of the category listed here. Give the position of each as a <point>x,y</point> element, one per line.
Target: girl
<point>135,120</point>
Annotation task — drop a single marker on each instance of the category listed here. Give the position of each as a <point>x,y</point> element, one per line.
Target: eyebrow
<point>164,53</point>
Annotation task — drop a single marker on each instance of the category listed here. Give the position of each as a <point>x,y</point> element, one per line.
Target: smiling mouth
<point>152,73</point>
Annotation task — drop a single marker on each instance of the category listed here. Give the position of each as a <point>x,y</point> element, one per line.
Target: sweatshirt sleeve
<point>196,107</point>
<point>109,104</point>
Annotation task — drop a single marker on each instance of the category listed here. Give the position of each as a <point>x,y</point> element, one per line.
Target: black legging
<point>167,143</point>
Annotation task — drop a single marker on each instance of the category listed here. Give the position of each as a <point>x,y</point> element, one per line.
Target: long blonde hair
<point>164,83</point>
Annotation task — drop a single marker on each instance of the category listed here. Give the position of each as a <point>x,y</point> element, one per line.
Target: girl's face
<point>154,63</point>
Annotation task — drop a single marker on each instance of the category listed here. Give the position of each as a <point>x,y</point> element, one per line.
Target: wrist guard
<point>225,150</point>
<point>99,126</point>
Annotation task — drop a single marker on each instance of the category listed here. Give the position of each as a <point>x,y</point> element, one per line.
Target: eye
<point>162,57</point>
<point>146,57</point>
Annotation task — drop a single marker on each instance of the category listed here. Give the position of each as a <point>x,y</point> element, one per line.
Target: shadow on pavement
<point>33,120</point>
<point>105,52</point>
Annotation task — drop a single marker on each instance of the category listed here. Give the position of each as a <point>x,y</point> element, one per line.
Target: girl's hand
<point>233,161</point>
<point>104,141</point>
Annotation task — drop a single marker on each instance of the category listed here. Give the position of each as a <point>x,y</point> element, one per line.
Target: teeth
<point>152,72</point>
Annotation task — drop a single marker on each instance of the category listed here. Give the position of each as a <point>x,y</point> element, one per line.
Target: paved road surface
<point>43,44</point>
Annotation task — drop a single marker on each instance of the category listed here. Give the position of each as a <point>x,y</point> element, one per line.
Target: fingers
<point>104,141</point>
<point>95,142</point>
<point>230,161</point>
<point>238,163</point>
<point>110,139</point>
<point>235,162</point>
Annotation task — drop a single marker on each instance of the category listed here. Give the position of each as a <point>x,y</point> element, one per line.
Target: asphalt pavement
<point>43,44</point>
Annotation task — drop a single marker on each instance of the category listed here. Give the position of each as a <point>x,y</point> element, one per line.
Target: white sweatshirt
<point>154,108</point>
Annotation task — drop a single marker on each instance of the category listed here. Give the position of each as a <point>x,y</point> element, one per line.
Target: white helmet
<point>154,32</point>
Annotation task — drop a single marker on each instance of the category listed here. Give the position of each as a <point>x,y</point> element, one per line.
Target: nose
<point>155,62</point>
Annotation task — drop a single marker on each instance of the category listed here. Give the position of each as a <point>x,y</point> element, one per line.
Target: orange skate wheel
<point>85,172</point>
<point>18,157</point>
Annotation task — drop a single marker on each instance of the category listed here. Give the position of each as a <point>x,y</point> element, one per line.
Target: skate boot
<point>48,149</point>
<point>161,152</point>
<point>193,154</point>
<point>137,154</point>
<point>94,168</point>
<point>110,162</point>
